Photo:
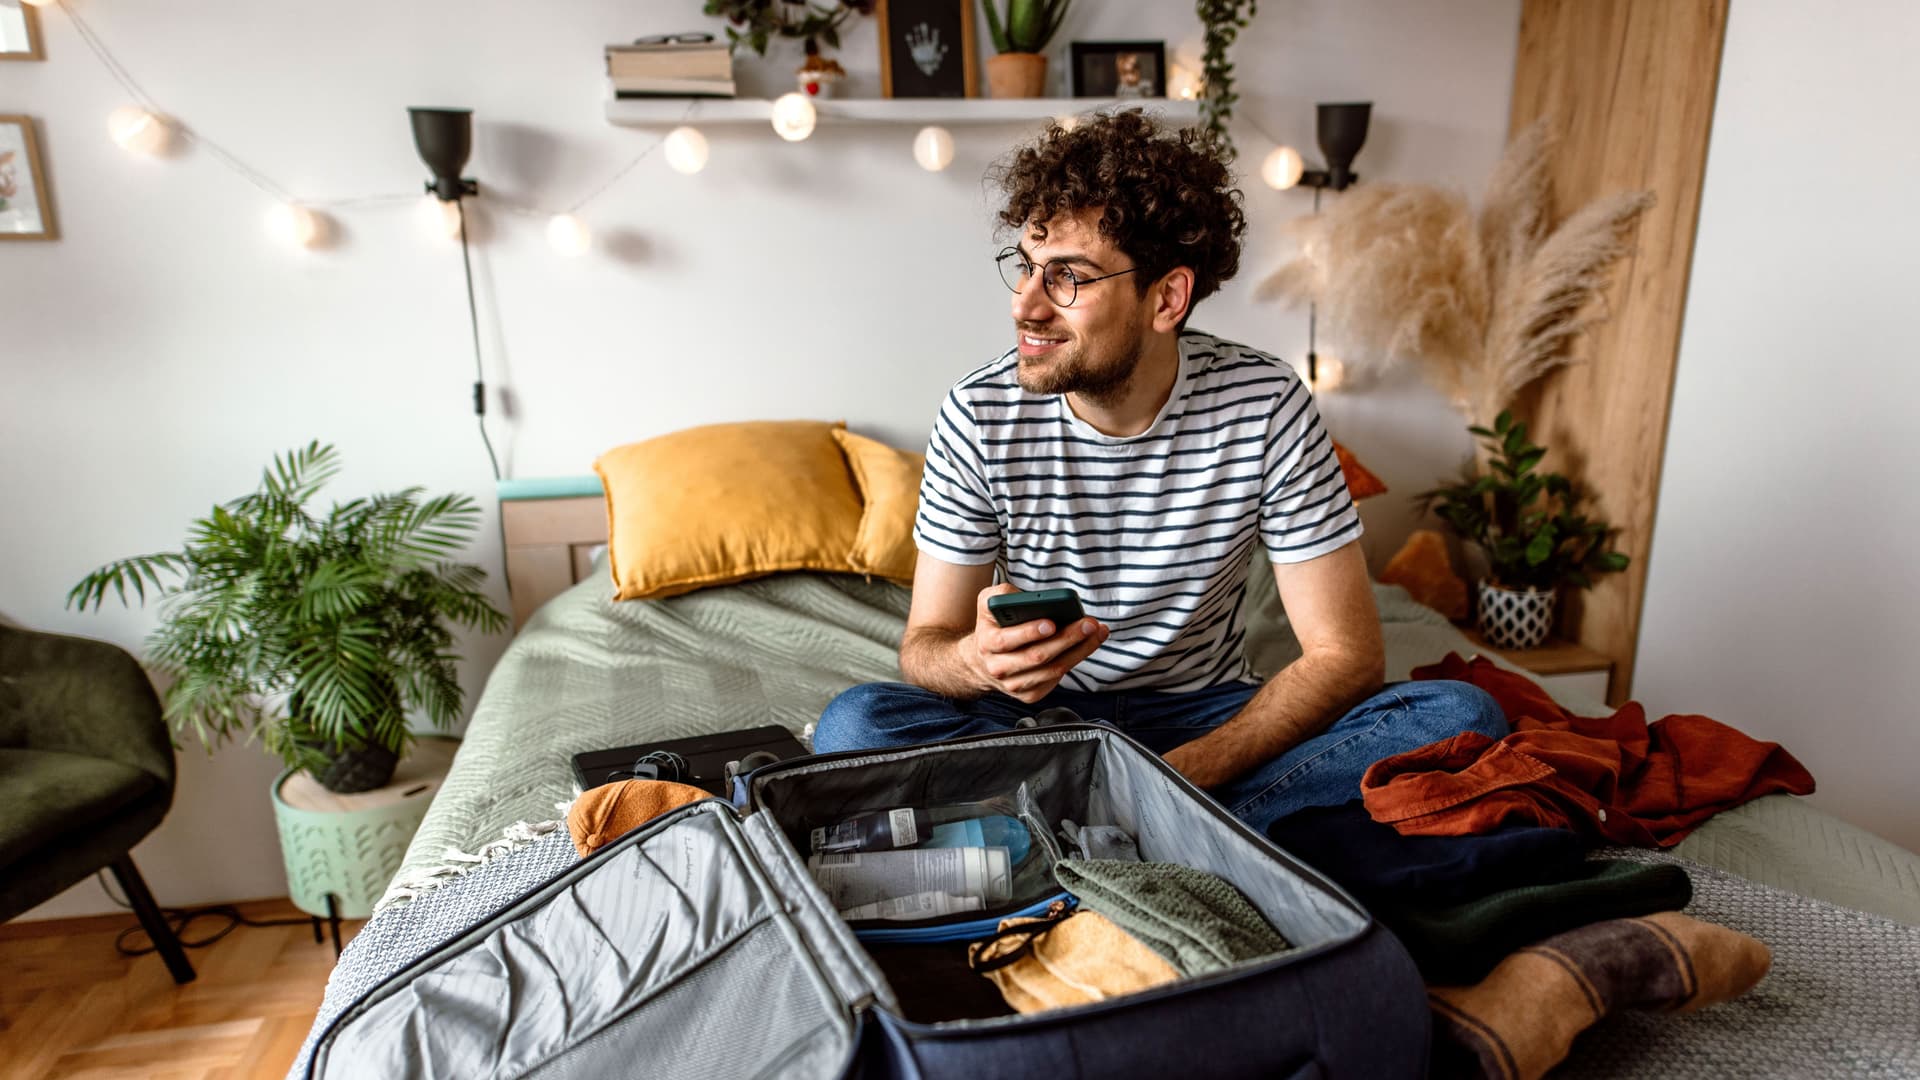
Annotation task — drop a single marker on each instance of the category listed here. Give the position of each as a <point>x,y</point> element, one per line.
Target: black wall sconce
<point>1341,130</point>
<point>444,139</point>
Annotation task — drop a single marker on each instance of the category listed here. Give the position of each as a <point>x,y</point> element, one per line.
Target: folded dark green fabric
<point>1196,920</point>
<point>1459,944</point>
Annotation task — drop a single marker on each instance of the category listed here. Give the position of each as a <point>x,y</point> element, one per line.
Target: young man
<point>1115,454</point>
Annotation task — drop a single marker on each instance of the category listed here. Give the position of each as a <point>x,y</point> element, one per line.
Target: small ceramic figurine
<point>818,75</point>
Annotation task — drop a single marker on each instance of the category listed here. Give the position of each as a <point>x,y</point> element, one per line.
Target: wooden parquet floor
<point>72,1006</point>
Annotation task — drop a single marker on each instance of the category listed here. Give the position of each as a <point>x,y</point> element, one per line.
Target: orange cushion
<point>1361,483</point>
<point>889,484</point>
<point>724,503</point>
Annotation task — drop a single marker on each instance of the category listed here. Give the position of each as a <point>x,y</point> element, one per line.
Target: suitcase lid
<point>696,942</point>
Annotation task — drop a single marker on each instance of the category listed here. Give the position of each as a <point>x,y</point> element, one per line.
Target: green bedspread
<point>587,673</point>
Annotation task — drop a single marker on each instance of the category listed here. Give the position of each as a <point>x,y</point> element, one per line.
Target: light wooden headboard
<point>554,527</point>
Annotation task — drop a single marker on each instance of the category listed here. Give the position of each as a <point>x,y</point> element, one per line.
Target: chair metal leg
<point>164,939</point>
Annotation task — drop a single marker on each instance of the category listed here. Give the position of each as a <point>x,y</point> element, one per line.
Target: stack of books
<point>671,69</point>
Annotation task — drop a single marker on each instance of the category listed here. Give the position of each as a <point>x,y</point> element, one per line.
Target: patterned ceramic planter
<point>349,845</point>
<point>1515,618</point>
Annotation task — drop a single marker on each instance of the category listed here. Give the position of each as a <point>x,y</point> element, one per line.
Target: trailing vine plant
<point>1223,20</point>
<point>754,23</point>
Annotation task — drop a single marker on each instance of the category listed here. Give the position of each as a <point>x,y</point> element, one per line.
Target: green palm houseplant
<point>1533,532</point>
<point>1021,30</point>
<point>316,634</point>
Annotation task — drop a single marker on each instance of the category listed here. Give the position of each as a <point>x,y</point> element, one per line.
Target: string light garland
<point>147,128</point>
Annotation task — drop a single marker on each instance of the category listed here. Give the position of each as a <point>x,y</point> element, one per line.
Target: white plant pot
<point>1515,618</point>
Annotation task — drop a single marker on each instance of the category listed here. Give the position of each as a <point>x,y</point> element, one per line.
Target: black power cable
<point>180,918</point>
<point>473,316</point>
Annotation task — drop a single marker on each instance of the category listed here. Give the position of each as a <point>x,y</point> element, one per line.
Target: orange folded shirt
<point>1616,777</point>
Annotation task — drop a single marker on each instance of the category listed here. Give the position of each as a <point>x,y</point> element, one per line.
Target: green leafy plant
<point>1223,20</point>
<point>1528,522</point>
<point>314,634</point>
<point>1027,26</point>
<point>755,23</point>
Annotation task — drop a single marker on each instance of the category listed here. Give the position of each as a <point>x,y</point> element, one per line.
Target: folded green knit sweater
<point>1196,920</point>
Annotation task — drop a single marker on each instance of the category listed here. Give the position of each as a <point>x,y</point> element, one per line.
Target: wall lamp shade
<point>1343,131</point>
<point>444,138</point>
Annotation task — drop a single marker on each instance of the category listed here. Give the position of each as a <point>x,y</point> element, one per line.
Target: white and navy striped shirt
<point>1154,531</point>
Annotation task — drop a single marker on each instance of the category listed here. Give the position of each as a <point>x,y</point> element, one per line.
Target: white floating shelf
<point>671,112</point>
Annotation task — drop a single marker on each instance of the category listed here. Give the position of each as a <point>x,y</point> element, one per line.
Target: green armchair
<point>86,771</point>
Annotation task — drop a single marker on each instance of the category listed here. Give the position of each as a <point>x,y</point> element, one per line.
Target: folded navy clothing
<point>1377,864</point>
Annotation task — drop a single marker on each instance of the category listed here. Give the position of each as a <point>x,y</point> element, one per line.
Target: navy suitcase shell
<point>698,945</point>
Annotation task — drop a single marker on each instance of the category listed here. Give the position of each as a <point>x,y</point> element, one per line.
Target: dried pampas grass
<point>1486,302</point>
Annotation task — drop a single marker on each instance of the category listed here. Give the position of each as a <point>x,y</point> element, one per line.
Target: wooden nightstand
<point>1560,667</point>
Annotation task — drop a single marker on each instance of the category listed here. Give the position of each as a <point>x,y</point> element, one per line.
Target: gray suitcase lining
<point>1111,781</point>
<point>712,928</point>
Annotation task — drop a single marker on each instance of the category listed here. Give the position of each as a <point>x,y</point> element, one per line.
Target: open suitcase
<point>699,945</point>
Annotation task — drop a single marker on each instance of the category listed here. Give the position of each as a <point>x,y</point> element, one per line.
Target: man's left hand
<point>1193,761</point>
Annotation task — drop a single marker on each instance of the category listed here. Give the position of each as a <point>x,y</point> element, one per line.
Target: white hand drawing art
<point>927,51</point>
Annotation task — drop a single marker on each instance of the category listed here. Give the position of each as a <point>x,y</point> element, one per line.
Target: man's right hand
<point>1026,661</point>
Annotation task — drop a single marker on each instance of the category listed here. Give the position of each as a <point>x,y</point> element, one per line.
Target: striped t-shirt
<point>1154,531</point>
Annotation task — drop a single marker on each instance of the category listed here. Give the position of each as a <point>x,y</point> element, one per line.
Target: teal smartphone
<point>1011,609</point>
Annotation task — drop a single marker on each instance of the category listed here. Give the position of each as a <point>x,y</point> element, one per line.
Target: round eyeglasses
<point>1062,285</point>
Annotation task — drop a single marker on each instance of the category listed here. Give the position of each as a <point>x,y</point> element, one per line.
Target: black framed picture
<point>1119,69</point>
<point>927,49</point>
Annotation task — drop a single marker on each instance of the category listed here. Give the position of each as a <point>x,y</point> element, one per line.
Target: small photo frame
<point>927,49</point>
<point>1119,69</point>
<point>20,32</point>
<point>26,208</point>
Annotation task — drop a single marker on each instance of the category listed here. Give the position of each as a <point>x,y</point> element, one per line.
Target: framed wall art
<point>26,209</point>
<point>927,49</point>
<point>1119,69</point>
<point>20,32</point>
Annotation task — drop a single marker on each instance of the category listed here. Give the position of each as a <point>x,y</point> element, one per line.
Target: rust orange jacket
<point>1616,777</point>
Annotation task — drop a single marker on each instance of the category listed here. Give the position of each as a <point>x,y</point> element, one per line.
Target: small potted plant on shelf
<point>755,23</point>
<point>1019,34</point>
<point>316,634</point>
<point>1530,526</point>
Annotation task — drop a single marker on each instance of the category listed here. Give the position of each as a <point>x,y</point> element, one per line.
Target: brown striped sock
<point>1521,1019</point>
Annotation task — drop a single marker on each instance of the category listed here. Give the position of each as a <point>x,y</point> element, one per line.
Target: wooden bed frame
<point>553,529</point>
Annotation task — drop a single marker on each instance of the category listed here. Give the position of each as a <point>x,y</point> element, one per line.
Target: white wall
<point>1781,590</point>
<point>156,356</point>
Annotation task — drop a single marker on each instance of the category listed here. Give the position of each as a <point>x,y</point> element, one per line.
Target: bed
<point>585,672</point>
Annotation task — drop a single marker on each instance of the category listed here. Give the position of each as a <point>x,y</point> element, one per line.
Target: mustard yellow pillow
<point>724,503</point>
<point>889,482</point>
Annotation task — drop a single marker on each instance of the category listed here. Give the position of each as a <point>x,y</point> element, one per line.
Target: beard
<point>1072,369</point>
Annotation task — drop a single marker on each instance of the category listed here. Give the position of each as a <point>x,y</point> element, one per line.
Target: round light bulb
<point>793,117</point>
<point>295,226</point>
<point>933,148</point>
<point>440,220</point>
<point>686,150</point>
<point>1331,373</point>
<point>1182,83</point>
<point>568,235</point>
<point>1282,168</point>
<point>137,130</point>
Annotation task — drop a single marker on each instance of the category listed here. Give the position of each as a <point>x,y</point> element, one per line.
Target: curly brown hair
<point>1166,197</point>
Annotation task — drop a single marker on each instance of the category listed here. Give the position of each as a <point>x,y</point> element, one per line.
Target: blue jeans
<point>1322,771</point>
